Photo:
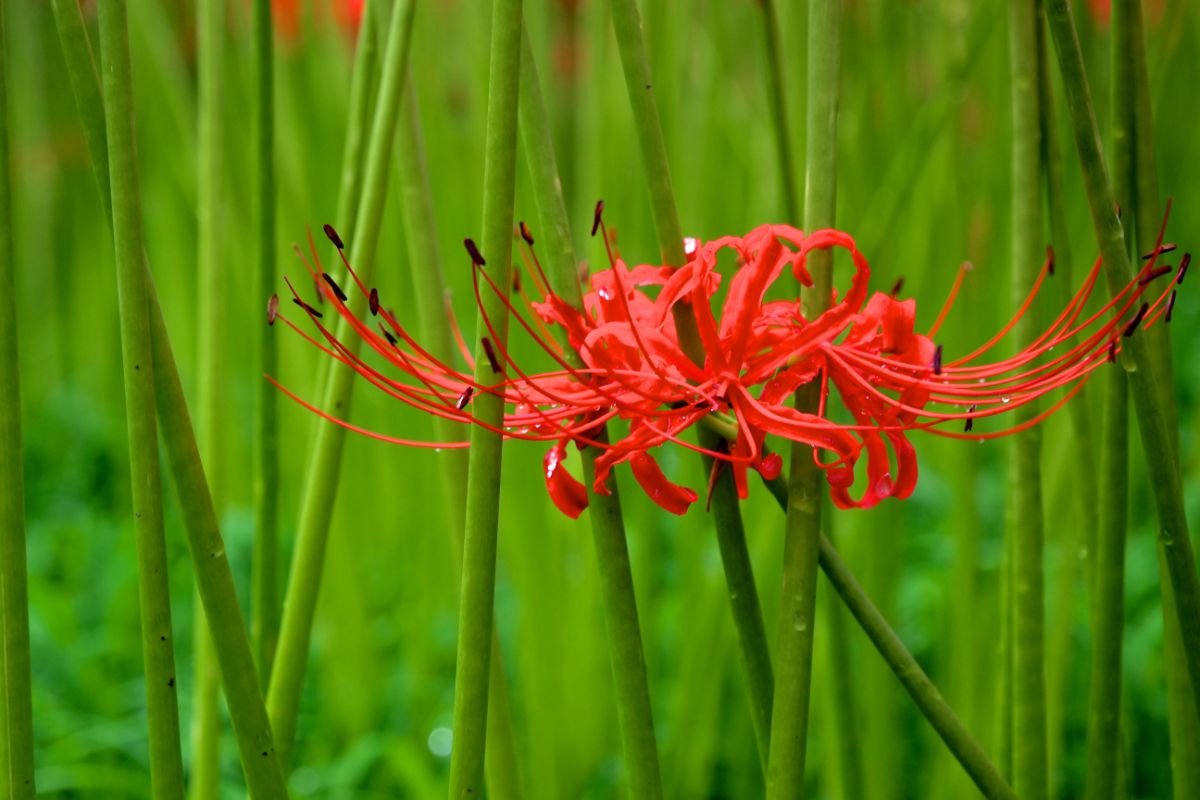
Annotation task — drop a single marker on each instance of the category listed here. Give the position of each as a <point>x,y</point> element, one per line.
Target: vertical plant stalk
<point>205,779</point>
<point>16,704</point>
<point>797,618</point>
<point>429,287</point>
<point>264,569</point>
<point>731,536</point>
<point>1025,523</point>
<point>779,115</point>
<point>321,481</point>
<point>1153,400</point>
<point>473,661</point>
<point>213,575</point>
<point>166,762</point>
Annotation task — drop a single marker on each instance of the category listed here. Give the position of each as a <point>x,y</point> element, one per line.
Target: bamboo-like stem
<point>166,761</point>
<point>620,605</point>
<point>727,514</point>
<point>321,481</point>
<point>1003,720</point>
<point>843,706</point>
<point>797,617</point>
<point>779,115</point>
<point>205,779</point>
<point>16,702</point>
<point>1152,400</point>
<point>264,568</point>
<point>213,575</point>
<point>429,291</point>
<point>1025,519</point>
<point>484,458</point>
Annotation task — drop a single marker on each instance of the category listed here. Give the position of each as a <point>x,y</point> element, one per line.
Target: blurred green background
<point>923,186</point>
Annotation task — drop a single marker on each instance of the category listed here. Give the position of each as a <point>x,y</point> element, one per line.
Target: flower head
<point>622,360</point>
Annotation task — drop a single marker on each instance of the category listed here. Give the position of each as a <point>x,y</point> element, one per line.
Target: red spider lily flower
<point>864,351</point>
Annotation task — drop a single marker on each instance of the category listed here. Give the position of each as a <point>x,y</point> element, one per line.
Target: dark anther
<point>1166,248</point>
<point>333,237</point>
<point>970,420</point>
<point>596,217</point>
<point>373,302</point>
<point>1154,273</point>
<point>937,360</point>
<point>388,335</point>
<point>272,309</point>
<point>1112,352</point>
<point>491,355</point>
<point>1050,260</point>
<point>1183,265</point>
<point>464,398</point>
<point>312,312</point>
<point>337,290</point>
<point>897,286</point>
<point>525,234</point>
<point>1137,320</point>
<point>1171,304</point>
<point>516,281</point>
<point>473,251</point>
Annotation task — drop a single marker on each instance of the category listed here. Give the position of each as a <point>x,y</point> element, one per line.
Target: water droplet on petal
<point>1006,400</point>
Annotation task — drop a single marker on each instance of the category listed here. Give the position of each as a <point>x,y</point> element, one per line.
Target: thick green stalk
<point>779,114</point>
<point>166,761</point>
<point>320,489</point>
<point>213,575</point>
<point>16,704</point>
<point>484,459</point>
<point>429,288</point>
<point>727,514</point>
<point>205,779</point>
<point>789,720</point>
<point>608,529</point>
<point>1153,401</point>
<point>1025,520</point>
<point>264,569</point>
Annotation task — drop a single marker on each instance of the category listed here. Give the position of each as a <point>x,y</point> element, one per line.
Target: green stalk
<point>320,489</point>
<point>789,729</point>
<point>205,779</point>
<point>264,569</point>
<point>166,761</point>
<point>779,115</point>
<point>16,701</point>
<point>731,536</point>
<point>484,458</point>
<point>1153,401</point>
<point>213,575</point>
<point>620,604</point>
<point>1025,523</point>
<point>429,288</point>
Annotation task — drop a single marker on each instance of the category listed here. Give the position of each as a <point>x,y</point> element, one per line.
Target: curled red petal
<point>670,496</point>
<point>568,494</point>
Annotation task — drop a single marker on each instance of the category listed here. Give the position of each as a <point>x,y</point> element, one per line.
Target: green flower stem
<point>484,458</point>
<point>797,617</point>
<point>264,569</point>
<point>1025,520</point>
<point>213,576</point>
<point>608,529</point>
<point>166,761</point>
<point>1151,399</point>
<point>16,702</point>
<point>726,512</point>
<point>910,674</point>
<point>205,778</point>
<point>779,115</point>
<point>429,287</point>
<point>321,481</point>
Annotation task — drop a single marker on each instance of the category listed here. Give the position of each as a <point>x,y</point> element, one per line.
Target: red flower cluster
<point>864,351</point>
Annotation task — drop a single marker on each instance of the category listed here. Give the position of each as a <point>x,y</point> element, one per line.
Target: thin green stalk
<point>205,779</point>
<point>620,604</point>
<point>1025,520</point>
<point>321,481</point>
<point>213,575</point>
<point>1153,401</point>
<point>16,702</point>
<point>779,115</point>
<point>1004,659</point>
<point>166,761</point>
<point>843,702</point>
<point>789,722</point>
<point>264,569</point>
<point>484,459</point>
<point>726,512</point>
<point>429,289</point>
